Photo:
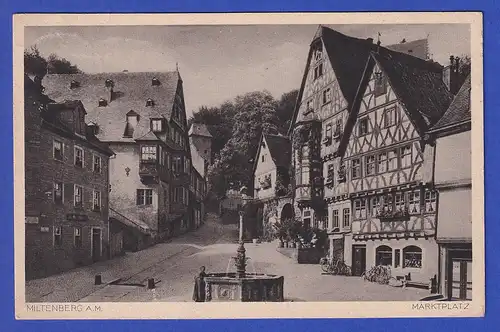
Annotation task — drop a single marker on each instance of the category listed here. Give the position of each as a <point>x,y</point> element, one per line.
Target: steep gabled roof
<point>280,149</point>
<point>459,110</point>
<point>199,129</point>
<point>131,91</point>
<point>417,84</point>
<point>347,56</point>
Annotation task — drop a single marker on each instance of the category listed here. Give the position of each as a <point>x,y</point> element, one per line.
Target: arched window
<point>383,255</point>
<point>412,257</point>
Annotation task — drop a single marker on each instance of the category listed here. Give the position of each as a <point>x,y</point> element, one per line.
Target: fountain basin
<point>253,287</point>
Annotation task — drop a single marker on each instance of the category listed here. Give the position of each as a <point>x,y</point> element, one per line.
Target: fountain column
<point>241,260</point>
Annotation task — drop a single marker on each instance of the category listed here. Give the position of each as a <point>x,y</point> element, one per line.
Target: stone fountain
<point>241,286</point>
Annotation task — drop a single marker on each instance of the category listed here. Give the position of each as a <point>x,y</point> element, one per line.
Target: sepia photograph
<point>316,159</point>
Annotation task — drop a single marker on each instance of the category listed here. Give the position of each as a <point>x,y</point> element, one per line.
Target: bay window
<point>148,153</point>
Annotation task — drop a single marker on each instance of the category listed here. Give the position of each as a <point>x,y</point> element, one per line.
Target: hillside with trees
<point>36,64</point>
<point>236,127</point>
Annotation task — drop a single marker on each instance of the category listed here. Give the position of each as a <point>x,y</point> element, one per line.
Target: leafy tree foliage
<point>36,64</point>
<point>237,127</point>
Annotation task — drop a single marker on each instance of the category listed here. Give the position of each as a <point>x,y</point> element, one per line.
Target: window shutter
<point>68,193</point>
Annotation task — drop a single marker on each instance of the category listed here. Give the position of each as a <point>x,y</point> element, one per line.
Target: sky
<point>217,63</point>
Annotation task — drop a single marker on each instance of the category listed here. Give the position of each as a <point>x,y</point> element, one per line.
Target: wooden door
<point>358,259</point>
<point>461,280</point>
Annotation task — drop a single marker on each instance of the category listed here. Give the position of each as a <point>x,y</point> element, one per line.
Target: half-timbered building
<point>272,190</point>
<point>333,71</point>
<point>394,202</point>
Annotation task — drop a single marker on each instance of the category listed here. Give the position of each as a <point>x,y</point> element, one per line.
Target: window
<point>363,127</point>
<point>374,206</point>
<point>58,150</point>
<point>96,164</point>
<point>390,117</point>
<point>102,102</point>
<point>383,255</point>
<point>388,203</point>
<point>144,196</point>
<point>97,200</point>
<point>305,152</point>
<point>356,168</point>
<point>155,81</point>
<point>78,196</point>
<point>58,192</point>
<point>430,201</point>
<point>397,258</point>
<point>148,153</point>
<point>327,96</point>
<point>335,219</point>
<point>315,223</point>
<point>328,130</point>
<point>405,156</point>
<point>78,237</point>
<point>346,218</point>
<point>156,125</point>
<point>399,202</point>
<point>263,158</point>
<point>360,209</point>
<point>310,106</point>
<point>305,175</point>
<point>382,162</point>
<point>318,71</point>
<point>393,160</point>
<point>330,174</point>
<point>338,128</point>
<point>370,165</point>
<point>177,164</point>
<point>414,202</point>
<point>79,155</point>
<point>380,84</point>
<point>58,236</point>
<point>412,257</point>
<point>150,103</point>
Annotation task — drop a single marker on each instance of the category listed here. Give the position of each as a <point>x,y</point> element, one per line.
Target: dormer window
<point>74,84</point>
<point>93,127</point>
<point>155,82</point>
<point>157,125</point>
<point>109,83</point>
<point>150,102</point>
<point>103,102</point>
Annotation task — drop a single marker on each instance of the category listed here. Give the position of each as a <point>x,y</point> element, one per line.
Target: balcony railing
<point>303,193</point>
<point>148,169</point>
<point>391,215</point>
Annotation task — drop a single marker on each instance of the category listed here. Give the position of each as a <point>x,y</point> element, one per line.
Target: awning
<point>136,224</point>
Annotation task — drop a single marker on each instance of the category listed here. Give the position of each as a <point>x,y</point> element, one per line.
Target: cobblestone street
<point>173,265</point>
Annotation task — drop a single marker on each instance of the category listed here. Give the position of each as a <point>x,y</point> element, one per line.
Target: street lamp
<point>241,259</point>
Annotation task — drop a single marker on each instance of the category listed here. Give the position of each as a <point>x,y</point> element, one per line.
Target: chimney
<point>109,86</point>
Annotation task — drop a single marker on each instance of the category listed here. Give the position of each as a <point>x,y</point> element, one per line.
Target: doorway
<point>460,275</point>
<point>96,244</point>
<point>358,259</point>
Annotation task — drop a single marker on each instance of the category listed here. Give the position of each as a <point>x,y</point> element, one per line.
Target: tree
<point>34,63</point>
<point>56,65</point>
<point>285,108</point>
<point>219,123</point>
<point>464,69</point>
